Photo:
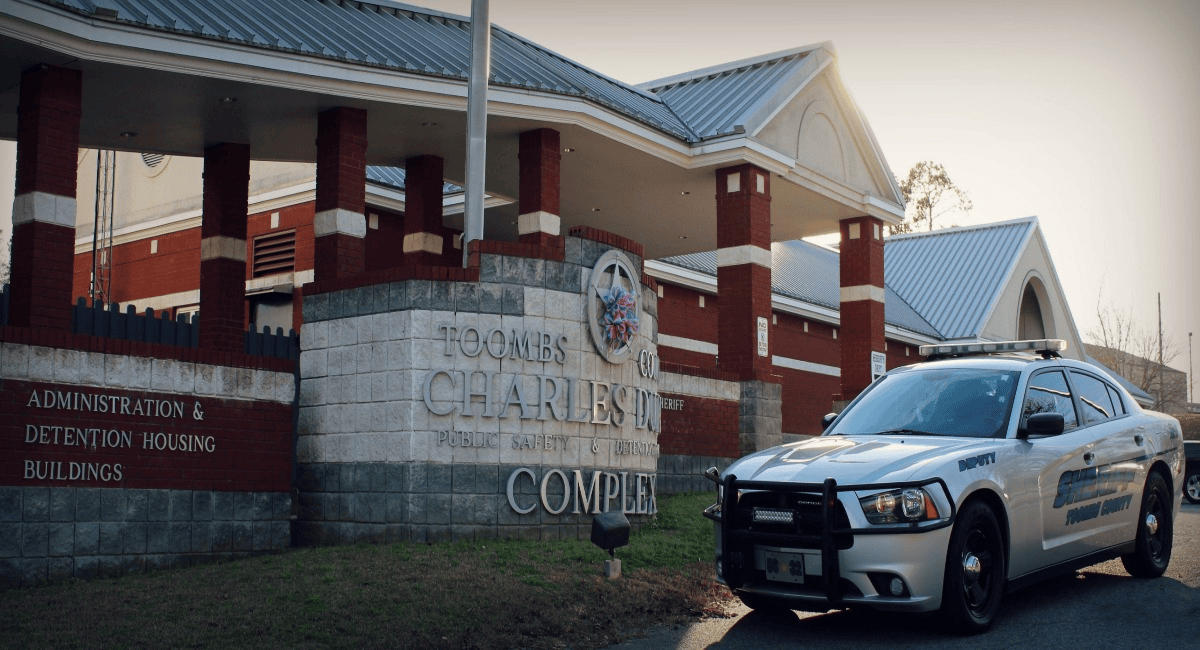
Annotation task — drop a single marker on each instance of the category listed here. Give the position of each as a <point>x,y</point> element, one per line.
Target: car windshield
<point>967,402</point>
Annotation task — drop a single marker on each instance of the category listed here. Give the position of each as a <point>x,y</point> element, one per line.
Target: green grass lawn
<point>480,594</point>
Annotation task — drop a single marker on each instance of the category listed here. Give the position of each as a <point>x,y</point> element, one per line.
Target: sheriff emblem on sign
<point>613,306</point>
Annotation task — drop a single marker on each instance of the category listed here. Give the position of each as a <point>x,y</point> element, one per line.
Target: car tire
<point>1155,531</point>
<point>975,570</point>
<point>1191,486</point>
<point>764,604</point>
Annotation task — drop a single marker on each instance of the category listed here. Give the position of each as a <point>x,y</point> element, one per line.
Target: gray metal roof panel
<point>394,177</point>
<point>388,35</point>
<point>713,104</point>
<point>953,277</point>
<point>809,273</point>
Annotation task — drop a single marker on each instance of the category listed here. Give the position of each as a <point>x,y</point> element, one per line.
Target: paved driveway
<point>1098,607</point>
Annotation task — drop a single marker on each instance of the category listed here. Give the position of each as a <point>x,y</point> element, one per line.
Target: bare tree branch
<point>1132,352</point>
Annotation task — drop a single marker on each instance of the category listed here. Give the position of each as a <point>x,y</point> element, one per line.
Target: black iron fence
<point>110,321</point>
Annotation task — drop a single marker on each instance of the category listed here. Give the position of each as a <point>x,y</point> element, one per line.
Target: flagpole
<point>477,83</point>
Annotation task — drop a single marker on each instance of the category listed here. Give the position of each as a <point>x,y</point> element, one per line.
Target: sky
<point>1085,114</point>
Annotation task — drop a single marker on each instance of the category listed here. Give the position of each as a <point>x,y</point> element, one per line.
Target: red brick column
<point>223,247</point>
<point>743,269</point>
<point>861,270</point>
<point>340,225</point>
<point>744,302</point>
<point>540,160</point>
<point>424,234</point>
<point>43,238</point>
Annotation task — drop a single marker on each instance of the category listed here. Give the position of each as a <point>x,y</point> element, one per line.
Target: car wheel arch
<point>1160,466</point>
<point>993,501</point>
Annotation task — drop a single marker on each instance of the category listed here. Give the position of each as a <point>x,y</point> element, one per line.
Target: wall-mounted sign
<point>878,365</point>
<point>613,306</point>
<point>762,336</point>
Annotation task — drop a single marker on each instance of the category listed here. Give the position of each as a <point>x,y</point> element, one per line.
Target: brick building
<point>641,304</point>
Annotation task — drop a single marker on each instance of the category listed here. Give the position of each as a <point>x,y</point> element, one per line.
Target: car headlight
<point>899,506</point>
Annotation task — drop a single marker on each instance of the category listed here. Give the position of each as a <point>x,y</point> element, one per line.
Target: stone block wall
<point>114,462</point>
<point>388,448</point>
<point>55,533</point>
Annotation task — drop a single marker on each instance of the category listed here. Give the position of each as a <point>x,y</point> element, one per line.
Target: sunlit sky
<point>1085,113</point>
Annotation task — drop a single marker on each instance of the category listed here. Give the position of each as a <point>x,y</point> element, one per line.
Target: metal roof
<point>809,273</point>
<point>394,177</point>
<point>942,284</point>
<point>954,277</point>
<point>387,35</point>
<point>715,104</point>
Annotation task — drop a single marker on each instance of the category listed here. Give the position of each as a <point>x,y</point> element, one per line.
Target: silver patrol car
<point>948,483</point>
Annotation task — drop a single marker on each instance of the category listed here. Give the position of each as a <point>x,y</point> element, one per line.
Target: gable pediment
<point>823,132</point>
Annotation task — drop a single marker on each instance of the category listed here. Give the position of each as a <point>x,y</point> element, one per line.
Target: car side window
<point>1094,396</point>
<point>1118,405</point>
<point>1048,393</point>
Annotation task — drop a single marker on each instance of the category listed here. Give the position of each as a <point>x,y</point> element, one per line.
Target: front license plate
<point>784,567</point>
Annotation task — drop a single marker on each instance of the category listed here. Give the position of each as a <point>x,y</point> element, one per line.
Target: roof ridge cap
<point>958,229</point>
<point>416,9</point>
<point>731,66</point>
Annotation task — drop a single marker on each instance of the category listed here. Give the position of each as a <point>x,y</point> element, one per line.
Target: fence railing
<point>110,321</point>
<point>273,344</point>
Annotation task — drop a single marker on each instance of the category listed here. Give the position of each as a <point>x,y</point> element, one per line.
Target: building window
<point>275,253</point>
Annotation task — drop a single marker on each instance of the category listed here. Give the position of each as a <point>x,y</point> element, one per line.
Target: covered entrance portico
<point>576,162</point>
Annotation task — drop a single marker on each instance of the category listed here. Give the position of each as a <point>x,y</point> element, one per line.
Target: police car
<point>950,482</point>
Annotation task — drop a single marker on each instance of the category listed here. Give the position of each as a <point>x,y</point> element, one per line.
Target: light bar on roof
<point>987,347</point>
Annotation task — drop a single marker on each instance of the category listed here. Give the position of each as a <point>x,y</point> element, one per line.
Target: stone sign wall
<point>111,463</point>
<point>517,406</point>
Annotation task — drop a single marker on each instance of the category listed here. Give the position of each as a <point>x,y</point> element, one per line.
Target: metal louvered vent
<point>275,253</point>
<point>152,159</point>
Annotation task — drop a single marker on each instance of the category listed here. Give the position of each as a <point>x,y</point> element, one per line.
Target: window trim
<point>1078,396</point>
<point>1074,399</point>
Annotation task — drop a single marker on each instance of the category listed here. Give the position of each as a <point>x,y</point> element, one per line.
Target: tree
<point>928,194</point>
<point>1132,352</point>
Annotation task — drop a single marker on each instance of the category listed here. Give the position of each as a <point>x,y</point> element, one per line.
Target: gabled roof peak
<point>733,66</point>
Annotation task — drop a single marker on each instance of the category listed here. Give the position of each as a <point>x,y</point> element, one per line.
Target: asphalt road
<point>1098,607</point>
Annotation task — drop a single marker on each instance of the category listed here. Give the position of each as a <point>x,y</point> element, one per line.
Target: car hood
<point>857,459</point>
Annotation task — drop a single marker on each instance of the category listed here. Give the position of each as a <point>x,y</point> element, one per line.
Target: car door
<point>1113,496</point>
<point>1062,465</point>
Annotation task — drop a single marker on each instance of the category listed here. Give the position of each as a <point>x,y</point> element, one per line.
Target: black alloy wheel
<point>1155,532</point>
<point>975,570</point>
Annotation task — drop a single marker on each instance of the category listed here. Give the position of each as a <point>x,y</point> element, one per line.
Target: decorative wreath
<point>619,321</point>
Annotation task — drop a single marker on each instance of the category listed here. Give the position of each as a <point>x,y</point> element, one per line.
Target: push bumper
<point>832,563</point>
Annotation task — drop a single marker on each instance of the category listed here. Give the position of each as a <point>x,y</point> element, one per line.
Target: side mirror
<point>1042,425</point>
<point>827,419</point>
